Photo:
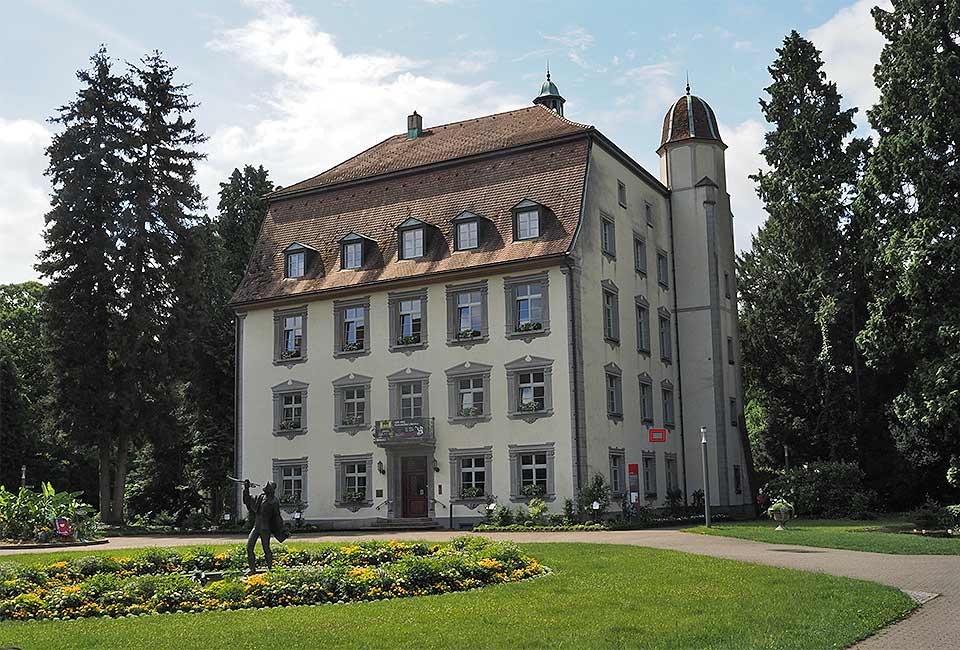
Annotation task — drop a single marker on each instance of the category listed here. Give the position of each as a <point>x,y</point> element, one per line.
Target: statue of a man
<point>265,509</point>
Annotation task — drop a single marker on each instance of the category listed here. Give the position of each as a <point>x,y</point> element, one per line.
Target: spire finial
<point>548,69</point>
<point>688,82</point>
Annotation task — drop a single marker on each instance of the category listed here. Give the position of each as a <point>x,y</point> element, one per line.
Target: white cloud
<point>25,197</point>
<point>851,47</point>
<point>324,104</point>
<point>743,158</point>
<point>742,45</point>
<point>576,37</point>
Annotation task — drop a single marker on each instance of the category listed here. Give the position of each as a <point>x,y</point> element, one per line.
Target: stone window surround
<point>453,290</point>
<point>393,302</point>
<point>510,284</point>
<point>609,288</point>
<point>618,452</point>
<point>515,451</point>
<point>652,455</point>
<point>339,307</point>
<point>529,364</point>
<point>465,370</point>
<point>645,380</point>
<point>639,267</point>
<point>277,472</point>
<point>339,461</point>
<point>648,214</point>
<point>643,344</point>
<point>286,388</point>
<point>667,385</point>
<point>339,387</point>
<point>402,377</point>
<point>278,317</point>
<point>666,352</point>
<point>610,248</point>
<point>621,193</point>
<point>612,369</point>
<point>669,457</point>
<point>455,455</point>
<point>663,279</point>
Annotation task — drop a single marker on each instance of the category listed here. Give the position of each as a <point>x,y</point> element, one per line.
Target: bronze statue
<point>265,510</point>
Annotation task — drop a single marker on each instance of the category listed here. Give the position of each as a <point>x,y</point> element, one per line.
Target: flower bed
<point>162,580</point>
<point>512,528</point>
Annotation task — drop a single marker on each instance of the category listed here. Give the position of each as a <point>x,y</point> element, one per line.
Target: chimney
<point>414,126</point>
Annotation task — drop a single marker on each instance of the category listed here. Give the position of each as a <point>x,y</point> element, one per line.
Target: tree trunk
<point>106,504</point>
<point>120,477</point>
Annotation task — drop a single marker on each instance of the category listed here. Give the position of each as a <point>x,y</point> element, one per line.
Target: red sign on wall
<point>633,469</point>
<point>658,435</point>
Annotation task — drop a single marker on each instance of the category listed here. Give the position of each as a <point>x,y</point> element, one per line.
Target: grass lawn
<point>837,533</point>
<point>598,596</point>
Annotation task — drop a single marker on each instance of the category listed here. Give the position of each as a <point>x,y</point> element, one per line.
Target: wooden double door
<point>413,480</point>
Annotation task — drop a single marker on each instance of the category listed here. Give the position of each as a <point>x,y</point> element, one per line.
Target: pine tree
<point>88,166</point>
<point>796,337</point>
<point>911,196</point>
<point>241,211</point>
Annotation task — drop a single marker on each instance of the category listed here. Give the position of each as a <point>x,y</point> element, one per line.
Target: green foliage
<point>502,516</point>
<point>823,490</point>
<point>28,516</point>
<point>597,490</point>
<point>537,508</point>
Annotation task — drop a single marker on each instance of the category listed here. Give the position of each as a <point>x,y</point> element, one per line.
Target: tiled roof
<point>552,174</point>
<point>447,142</point>
<point>689,117</point>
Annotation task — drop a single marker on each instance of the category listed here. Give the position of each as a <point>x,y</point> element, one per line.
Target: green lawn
<point>598,596</point>
<point>837,533</point>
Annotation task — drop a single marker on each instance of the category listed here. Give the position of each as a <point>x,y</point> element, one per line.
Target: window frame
<point>278,465</point>
<point>289,257</point>
<point>458,237</point>
<point>621,193</point>
<point>511,300</point>
<point>648,466</point>
<point>453,313</point>
<point>666,351</point>
<point>467,370</point>
<point>279,317</point>
<point>281,390</point>
<point>515,452</point>
<point>640,254</point>
<point>340,463</point>
<point>647,415</point>
<point>395,302</point>
<point>617,460</point>
<point>667,399</point>
<point>608,235</point>
<point>345,255</point>
<point>663,274</point>
<point>524,207</point>
<point>340,387</point>
<point>395,383</point>
<point>402,234</point>
<point>456,476</point>
<point>611,321</point>
<point>671,471</point>
<point>648,214</point>
<point>613,387</point>
<point>734,416</point>
<point>340,308</point>
<point>731,352</point>
<point>642,313</point>
<point>529,364</point>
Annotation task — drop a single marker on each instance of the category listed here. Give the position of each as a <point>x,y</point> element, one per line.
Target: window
<point>531,471</point>
<point>649,476</point>
<point>290,336</point>
<point>408,394</point>
<point>611,313</point>
<point>353,476</point>
<point>289,409</point>
<point>467,313</point>
<point>663,273</point>
<point>733,411</point>
<point>352,255</point>
<point>352,318</point>
<point>411,243</point>
<point>673,481</point>
<point>617,477</point>
<point>528,224</point>
<point>295,264</point>
<point>730,355</point>
<point>470,473</point>
<point>667,393</point>
<point>614,391</point>
<point>640,255</point>
<point>467,235</point>
<point>726,284</point>
<point>621,194</point>
<point>608,238</point>
<point>351,403</point>
<point>290,476</point>
<point>527,305</point>
<point>529,383</point>
<point>666,344</point>
<point>408,319</point>
<point>648,213</point>
<point>646,399</point>
<point>737,480</point>
<point>468,385</point>
<point>643,325</point>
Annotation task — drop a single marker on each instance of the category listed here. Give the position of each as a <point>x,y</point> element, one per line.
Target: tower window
<point>622,194</point>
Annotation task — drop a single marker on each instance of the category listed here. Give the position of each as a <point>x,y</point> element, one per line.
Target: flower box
<point>471,493</point>
<point>530,327</point>
<point>529,407</point>
<point>471,411</point>
<point>352,420</point>
<point>356,346</point>
<point>468,334</point>
<point>355,497</point>
<point>290,354</point>
<point>291,424</point>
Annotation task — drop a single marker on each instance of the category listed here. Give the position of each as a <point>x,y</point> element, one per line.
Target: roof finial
<point>688,82</point>
<point>548,69</point>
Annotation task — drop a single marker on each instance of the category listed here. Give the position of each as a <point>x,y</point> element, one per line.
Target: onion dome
<point>550,96</point>
<point>689,117</point>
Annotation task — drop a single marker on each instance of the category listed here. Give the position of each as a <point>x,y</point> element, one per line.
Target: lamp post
<point>706,476</point>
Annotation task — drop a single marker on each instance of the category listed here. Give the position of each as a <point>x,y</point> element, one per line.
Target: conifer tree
<point>911,198</point>
<point>241,211</point>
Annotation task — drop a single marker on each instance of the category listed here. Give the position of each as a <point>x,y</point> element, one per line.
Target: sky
<point>299,86</point>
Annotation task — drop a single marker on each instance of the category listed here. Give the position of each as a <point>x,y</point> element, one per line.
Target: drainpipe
<point>676,328</point>
<point>575,375</point>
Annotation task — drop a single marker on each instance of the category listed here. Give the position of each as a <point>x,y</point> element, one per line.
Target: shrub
<point>598,490</point>
<point>502,516</point>
<point>569,511</point>
<point>931,516</point>
<point>28,515</point>
<point>537,509</point>
<point>823,489</point>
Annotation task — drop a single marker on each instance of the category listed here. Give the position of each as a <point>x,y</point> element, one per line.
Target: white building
<point>494,309</point>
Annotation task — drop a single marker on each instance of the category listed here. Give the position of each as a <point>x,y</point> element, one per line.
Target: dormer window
<point>526,220</point>
<point>295,264</point>
<point>412,239</point>
<point>467,235</point>
<point>296,259</point>
<point>352,251</point>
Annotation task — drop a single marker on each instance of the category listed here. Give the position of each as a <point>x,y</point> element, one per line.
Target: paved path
<point>935,626</point>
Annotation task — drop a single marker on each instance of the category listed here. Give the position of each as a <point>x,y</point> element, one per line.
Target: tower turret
<point>550,96</point>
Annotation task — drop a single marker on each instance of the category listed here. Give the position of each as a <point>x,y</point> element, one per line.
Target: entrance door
<point>414,476</point>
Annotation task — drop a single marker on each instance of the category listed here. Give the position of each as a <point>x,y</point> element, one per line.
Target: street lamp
<point>706,476</point>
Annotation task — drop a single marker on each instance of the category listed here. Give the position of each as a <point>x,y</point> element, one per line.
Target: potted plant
<point>470,411</point>
<point>530,327</point>
<point>290,424</point>
<point>529,407</point>
<point>467,334</point>
<point>358,496</point>
<point>531,490</point>
<point>781,511</point>
<point>352,420</point>
<point>411,339</point>
<point>290,354</point>
<point>471,493</point>
<point>356,346</point>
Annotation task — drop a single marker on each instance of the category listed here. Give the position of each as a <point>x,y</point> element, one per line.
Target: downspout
<point>676,327</point>
<point>237,425</point>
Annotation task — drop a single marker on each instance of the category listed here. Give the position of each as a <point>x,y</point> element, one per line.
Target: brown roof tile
<point>447,142</point>
<point>676,123</point>
<point>552,174</point>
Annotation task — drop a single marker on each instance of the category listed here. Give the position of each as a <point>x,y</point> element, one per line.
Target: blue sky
<point>299,86</point>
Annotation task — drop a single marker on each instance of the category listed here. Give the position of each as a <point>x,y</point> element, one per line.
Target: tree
<point>241,211</point>
<point>88,168</point>
<point>796,338</point>
<point>911,198</point>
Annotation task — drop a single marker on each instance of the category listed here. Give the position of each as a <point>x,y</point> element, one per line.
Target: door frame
<point>406,474</point>
<point>395,478</point>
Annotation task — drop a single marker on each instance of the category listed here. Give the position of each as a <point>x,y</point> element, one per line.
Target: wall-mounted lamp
<point>380,467</point>
<point>436,465</point>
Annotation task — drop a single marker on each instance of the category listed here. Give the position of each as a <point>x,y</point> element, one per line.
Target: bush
<point>29,516</point>
<point>502,516</point>
<point>598,490</point>
<point>823,489</point>
<point>931,516</point>
<point>538,507</point>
